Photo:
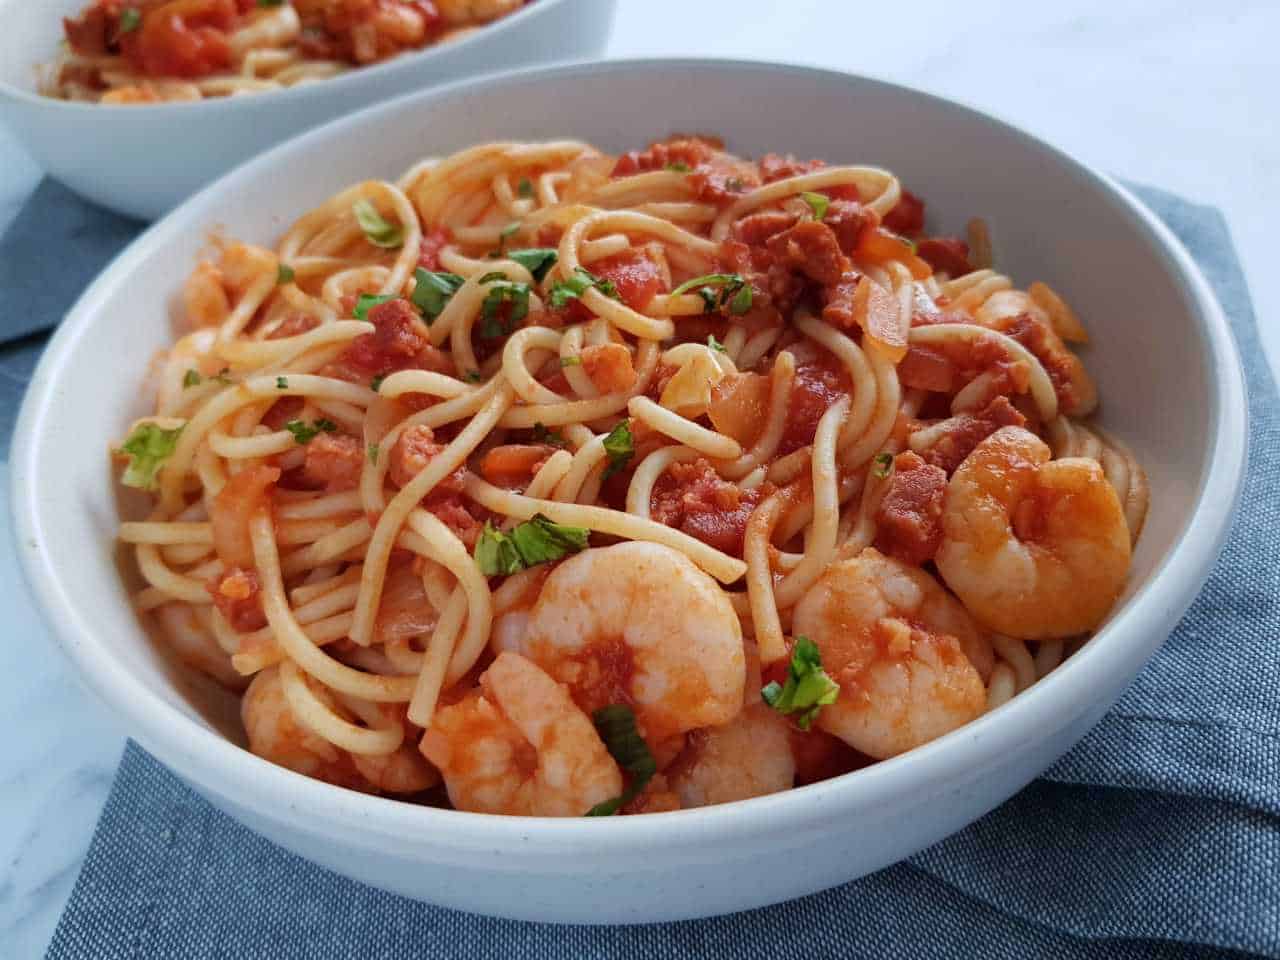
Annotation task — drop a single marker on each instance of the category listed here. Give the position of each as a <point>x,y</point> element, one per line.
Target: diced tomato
<point>398,338</point>
<point>333,462</point>
<point>774,166</point>
<point>433,241</point>
<point>907,215</point>
<point>909,517</point>
<point>948,255</point>
<point>637,279</point>
<point>812,249</point>
<point>685,151</point>
<point>966,430</point>
<point>926,369</point>
<point>693,498</point>
<point>237,593</point>
<point>413,450</point>
<point>818,384</point>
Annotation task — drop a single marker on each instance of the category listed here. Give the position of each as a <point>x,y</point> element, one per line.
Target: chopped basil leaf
<point>542,435</point>
<point>818,203</point>
<point>912,244</point>
<point>718,291</point>
<point>372,451</point>
<point>503,291</point>
<point>191,378</point>
<point>491,276</point>
<point>808,688</point>
<point>148,447</point>
<point>574,361</point>
<point>525,188</point>
<point>270,3</point>
<point>376,382</point>
<point>507,232</point>
<point>579,283</point>
<point>715,344</point>
<point>620,446</point>
<point>528,544</point>
<point>304,432</point>
<point>710,279</point>
<point>537,260</point>
<point>282,383</point>
<point>474,376</point>
<point>222,376</point>
<point>377,231</point>
<point>367,302</point>
<point>433,291</point>
<point>883,465</point>
<point>130,20</point>
<point>284,273</point>
<point>678,167</point>
<point>616,725</point>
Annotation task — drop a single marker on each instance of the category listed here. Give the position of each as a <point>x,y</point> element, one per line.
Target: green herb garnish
<point>719,291</point>
<point>616,725</point>
<point>525,187</point>
<point>367,301</point>
<point>372,452</point>
<point>191,378</point>
<point>282,383</point>
<point>715,344</point>
<point>148,447</point>
<point>883,465</point>
<point>502,291</point>
<point>579,283</point>
<point>130,20</point>
<point>818,203</point>
<point>537,260</point>
<point>678,167</point>
<point>808,688</point>
<point>377,230</point>
<point>284,274</point>
<point>571,361</point>
<point>542,435</point>
<point>473,376</point>
<point>376,382</point>
<point>304,432</point>
<point>528,544</point>
<point>620,446</point>
<point>433,291</point>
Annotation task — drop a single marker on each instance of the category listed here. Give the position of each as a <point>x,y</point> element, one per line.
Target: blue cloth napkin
<point>1158,836</point>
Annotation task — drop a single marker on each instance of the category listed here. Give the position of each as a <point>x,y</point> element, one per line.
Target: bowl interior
<point>1050,220</point>
<point>30,37</point>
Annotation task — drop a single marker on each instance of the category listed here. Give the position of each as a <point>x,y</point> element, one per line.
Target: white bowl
<point>1163,356</point>
<point>145,160</point>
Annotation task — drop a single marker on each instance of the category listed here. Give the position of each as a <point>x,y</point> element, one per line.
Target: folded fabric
<point>1158,836</point>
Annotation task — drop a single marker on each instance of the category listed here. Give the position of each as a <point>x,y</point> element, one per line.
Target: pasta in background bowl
<point>163,139</point>
<point>1048,218</point>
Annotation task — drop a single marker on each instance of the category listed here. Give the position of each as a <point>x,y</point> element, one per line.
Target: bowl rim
<point>221,768</point>
<point>402,63</point>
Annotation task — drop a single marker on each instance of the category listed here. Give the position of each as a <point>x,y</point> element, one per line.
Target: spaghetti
<point>153,51</point>
<point>559,476</point>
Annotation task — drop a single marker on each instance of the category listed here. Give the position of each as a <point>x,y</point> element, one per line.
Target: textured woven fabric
<point>1158,836</point>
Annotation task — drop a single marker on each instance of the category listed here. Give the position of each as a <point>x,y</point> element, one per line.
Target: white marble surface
<point>1167,92</point>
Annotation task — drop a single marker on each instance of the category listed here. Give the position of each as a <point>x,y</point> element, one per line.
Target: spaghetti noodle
<point>543,471</point>
<point>153,51</point>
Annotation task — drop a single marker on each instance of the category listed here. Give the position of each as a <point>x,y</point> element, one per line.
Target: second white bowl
<point>144,160</point>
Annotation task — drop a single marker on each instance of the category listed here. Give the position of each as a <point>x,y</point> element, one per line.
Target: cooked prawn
<point>276,735</point>
<point>909,660</point>
<point>520,746</point>
<point>1035,548</point>
<point>639,623</point>
<point>749,756</point>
